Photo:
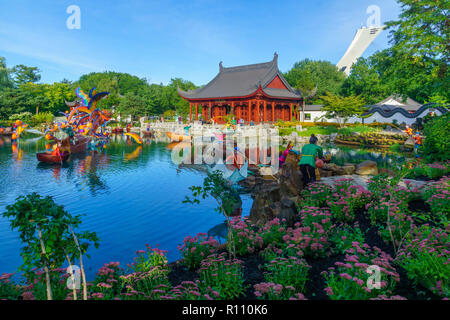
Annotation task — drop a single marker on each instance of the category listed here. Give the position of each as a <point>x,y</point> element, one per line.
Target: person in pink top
<point>284,155</point>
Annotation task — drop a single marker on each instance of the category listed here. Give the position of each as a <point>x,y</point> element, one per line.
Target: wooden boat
<point>117,130</point>
<point>177,137</point>
<point>81,145</point>
<point>8,131</point>
<point>49,158</point>
<point>147,133</point>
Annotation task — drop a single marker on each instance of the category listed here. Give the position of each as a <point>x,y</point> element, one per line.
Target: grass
<point>326,130</point>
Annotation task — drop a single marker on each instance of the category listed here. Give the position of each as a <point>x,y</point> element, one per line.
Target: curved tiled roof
<point>390,113</point>
<point>243,81</point>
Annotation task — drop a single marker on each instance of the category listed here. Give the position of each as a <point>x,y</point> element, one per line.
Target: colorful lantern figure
<point>409,131</point>
<point>418,143</point>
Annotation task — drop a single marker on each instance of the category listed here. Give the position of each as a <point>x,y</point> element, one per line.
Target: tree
<point>22,74</point>
<point>421,46</point>
<point>5,80</point>
<point>364,80</point>
<point>227,198</point>
<point>13,101</point>
<point>133,105</point>
<point>307,74</point>
<point>49,237</point>
<point>436,146</point>
<point>57,93</point>
<point>423,29</point>
<point>342,108</point>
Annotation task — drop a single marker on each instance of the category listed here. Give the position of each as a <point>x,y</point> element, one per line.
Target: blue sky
<point>160,40</point>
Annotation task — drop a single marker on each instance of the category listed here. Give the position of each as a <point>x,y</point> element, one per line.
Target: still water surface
<point>130,196</point>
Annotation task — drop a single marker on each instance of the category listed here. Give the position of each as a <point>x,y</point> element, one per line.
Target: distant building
<point>313,112</point>
<point>255,92</point>
<point>399,110</point>
<point>363,38</point>
<point>396,101</point>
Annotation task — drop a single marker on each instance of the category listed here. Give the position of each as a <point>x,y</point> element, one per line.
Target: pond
<point>130,195</point>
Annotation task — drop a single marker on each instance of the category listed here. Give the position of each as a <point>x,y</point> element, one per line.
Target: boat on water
<point>50,158</point>
<point>81,145</point>
<point>117,130</point>
<point>6,131</point>
<point>177,137</point>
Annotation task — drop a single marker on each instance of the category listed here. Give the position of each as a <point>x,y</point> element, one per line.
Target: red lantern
<point>319,163</point>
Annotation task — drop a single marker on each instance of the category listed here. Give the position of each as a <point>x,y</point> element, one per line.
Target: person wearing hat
<point>308,160</point>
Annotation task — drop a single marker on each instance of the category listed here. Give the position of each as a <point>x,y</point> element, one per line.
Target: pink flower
<point>329,291</point>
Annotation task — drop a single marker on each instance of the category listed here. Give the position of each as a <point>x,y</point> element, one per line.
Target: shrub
<point>107,283</point>
<point>437,195</point>
<point>272,232</point>
<point>222,275</point>
<point>346,199</point>
<point>291,271</point>
<point>151,284</point>
<point>190,290</point>
<point>344,235</point>
<point>425,258</point>
<point>8,290</point>
<point>348,280</point>
<point>316,195</point>
<point>247,240</point>
<point>310,237</point>
<point>436,146</point>
<point>195,249</point>
<point>23,116</point>
<point>149,258</point>
<point>272,291</point>
<point>43,117</point>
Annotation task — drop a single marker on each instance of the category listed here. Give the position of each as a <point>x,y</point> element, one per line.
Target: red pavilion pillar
<point>190,112</point>
<point>290,111</point>
<point>209,111</point>
<point>196,111</point>
<point>273,111</point>
<point>258,117</point>
<point>249,118</point>
<point>265,111</point>
<point>232,110</point>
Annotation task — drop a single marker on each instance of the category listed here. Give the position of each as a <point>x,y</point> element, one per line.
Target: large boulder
<point>349,169</point>
<point>367,168</point>
<point>291,180</point>
<point>288,211</point>
<point>334,169</point>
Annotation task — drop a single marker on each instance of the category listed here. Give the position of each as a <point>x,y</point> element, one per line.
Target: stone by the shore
<point>367,168</point>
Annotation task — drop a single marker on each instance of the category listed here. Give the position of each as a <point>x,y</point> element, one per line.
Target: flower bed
<point>346,243</point>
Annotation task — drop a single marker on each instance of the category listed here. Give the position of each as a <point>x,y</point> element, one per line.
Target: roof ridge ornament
<point>275,57</point>
<point>220,66</point>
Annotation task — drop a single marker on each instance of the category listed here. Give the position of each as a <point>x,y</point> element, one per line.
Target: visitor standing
<point>308,161</point>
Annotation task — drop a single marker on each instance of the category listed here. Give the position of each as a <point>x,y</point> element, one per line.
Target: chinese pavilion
<point>256,92</point>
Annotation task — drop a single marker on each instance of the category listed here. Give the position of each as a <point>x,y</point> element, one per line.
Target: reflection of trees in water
<point>220,232</point>
<point>87,167</point>
<point>384,158</point>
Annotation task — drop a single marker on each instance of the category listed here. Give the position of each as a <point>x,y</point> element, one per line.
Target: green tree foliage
<point>48,234</point>
<point>128,94</point>
<point>132,104</point>
<point>364,80</point>
<point>5,80</point>
<point>22,74</point>
<point>307,74</point>
<point>436,146</point>
<point>342,108</point>
<point>423,29</point>
<point>13,101</point>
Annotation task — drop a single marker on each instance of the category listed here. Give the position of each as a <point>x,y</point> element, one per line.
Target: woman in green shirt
<point>308,161</point>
